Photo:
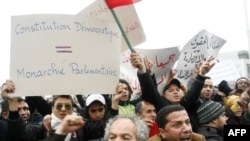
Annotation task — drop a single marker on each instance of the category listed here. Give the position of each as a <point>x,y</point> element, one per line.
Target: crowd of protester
<point>196,111</point>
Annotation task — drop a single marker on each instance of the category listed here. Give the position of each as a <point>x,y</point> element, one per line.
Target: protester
<point>33,102</point>
<point>212,118</point>
<point>126,106</point>
<point>200,89</point>
<point>97,115</point>
<point>172,91</point>
<point>234,111</point>
<point>39,105</point>
<point>3,118</point>
<point>222,91</point>
<point>5,110</point>
<point>69,124</point>
<point>3,130</point>
<point>36,117</point>
<point>242,83</point>
<point>244,98</point>
<point>124,127</point>
<point>224,87</point>
<point>147,112</point>
<point>174,124</point>
<point>62,105</point>
<point>207,90</point>
<point>19,127</point>
<point>237,92</point>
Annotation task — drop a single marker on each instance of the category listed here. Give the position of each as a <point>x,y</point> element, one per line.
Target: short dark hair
<point>5,105</point>
<point>62,96</point>
<point>161,118</point>
<point>138,106</point>
<point>126,83</point>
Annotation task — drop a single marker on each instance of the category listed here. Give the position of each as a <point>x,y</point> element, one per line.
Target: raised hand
<point>69,124</point>
<point>149,65</point>
<point>207,65</point>
<point>137,61</point>
<point>7,87</point>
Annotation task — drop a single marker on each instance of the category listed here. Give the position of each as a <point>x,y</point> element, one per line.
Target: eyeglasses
<point>243,82</point>
<point>66,106</point>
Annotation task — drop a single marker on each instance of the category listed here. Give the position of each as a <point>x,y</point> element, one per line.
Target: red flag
<point>116,3</point>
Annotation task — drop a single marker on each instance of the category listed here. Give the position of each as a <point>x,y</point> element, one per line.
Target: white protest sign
<point>163,60</point>
<point>195,51</point>
<point>64,54</point>
<point>128,72</point>
<point>224,70</point>
<point>233,56</point>
<point>127,16</point>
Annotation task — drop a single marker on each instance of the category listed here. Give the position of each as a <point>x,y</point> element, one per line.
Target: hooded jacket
<point>94,130</point>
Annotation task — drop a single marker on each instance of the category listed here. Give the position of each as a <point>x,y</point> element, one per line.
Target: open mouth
<point>185,139</point>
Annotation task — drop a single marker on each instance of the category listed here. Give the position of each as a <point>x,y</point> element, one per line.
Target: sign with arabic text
<point>195,51</point>
<point>127,17</point>
<point>163,60</point>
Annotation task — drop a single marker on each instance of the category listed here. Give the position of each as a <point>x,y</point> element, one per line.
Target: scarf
<point>56,123</point>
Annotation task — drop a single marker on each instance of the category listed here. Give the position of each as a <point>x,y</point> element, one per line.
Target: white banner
<point>196,50</point>
<point>163,60</point>
<point>127,16</point>
<point>64,54</point>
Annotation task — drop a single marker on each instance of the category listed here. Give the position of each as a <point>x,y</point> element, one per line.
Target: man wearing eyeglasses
<point>62,105</point>
<point>19,127</point>
<point>94,123</point>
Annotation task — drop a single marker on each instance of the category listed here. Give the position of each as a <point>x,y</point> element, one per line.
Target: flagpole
<point>123,32</point>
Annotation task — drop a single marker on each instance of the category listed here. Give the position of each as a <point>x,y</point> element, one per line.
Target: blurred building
<point>245,63</point>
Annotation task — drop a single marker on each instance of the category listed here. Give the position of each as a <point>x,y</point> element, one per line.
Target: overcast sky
<point>166,23</point>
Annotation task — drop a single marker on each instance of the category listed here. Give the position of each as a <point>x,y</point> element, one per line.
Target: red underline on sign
<point>63,49</point>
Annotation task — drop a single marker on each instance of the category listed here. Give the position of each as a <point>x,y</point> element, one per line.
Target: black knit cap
<point>209,110</point>
<point>224,87</point>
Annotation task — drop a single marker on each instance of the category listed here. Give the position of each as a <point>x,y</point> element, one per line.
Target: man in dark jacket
<point>97,115</point>
<point>190,100</point>
<point>19,127</point>
<point>3,130</point>
<point>174,124</point>
<point>212,118</point>
<point>3,118</point>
